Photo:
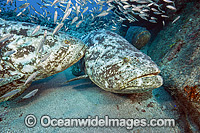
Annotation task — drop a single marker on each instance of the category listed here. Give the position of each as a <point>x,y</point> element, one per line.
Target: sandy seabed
<point>79,99</point>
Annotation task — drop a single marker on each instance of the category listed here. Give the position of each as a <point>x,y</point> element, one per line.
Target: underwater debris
<point>193,93</point>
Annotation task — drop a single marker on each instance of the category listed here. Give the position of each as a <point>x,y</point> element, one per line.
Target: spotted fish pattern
<point>19,57</point>
<point>115,65</point>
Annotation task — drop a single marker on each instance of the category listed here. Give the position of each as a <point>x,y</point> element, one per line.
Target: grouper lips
<point>146,75</point>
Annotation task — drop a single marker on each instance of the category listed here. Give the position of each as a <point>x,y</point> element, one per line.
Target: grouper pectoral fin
<point>77,78</point>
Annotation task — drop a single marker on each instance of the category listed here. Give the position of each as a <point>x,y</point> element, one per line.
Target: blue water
<point>37,5</point>
<point>110,22</point>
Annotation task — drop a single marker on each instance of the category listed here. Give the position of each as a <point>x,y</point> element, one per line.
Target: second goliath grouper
<point>115,65</point>
<point>30,52</point>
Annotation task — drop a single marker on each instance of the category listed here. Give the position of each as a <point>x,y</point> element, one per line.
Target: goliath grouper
<point>29,52</point>
<point>115,65</point>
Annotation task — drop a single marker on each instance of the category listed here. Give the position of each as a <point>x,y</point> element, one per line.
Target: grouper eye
<point>67,41</point>
<point>126,59</point>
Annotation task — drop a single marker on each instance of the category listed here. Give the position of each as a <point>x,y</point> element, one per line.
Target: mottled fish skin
<point>17,67</point>
<point>45,57</point>
<point>10,53</point>
<point>115,65</point>
<point>1,79</point>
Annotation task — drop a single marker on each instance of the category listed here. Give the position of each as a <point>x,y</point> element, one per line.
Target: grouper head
<point>115,65</point>
<point>134,72</point>
<point>64,54</point>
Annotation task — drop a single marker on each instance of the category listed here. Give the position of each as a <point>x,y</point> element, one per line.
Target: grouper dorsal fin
<point>77,78</point>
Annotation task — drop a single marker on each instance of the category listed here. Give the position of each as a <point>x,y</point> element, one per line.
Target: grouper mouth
<point>142,83</point>
<point>146,75</point>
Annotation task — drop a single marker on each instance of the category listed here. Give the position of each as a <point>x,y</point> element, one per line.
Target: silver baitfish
<point>58,27</point>
<point>35,30</point>
<point>31,77</point>
<point>16,70</point>
<point>6,37</point>
<point>115,65</point>
<point>11,93</point>
<point>30,94</point>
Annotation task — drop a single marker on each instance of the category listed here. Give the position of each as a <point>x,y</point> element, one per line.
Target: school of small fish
<point>69,12</point>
